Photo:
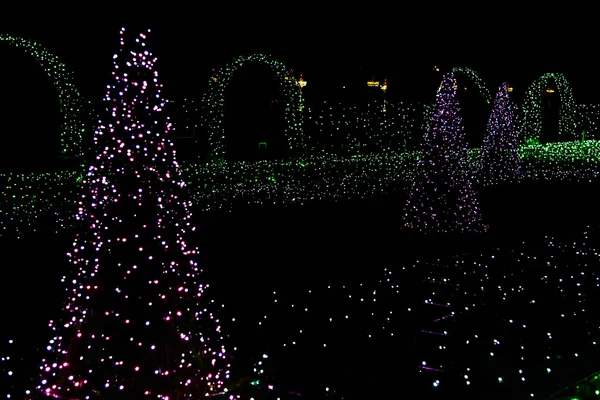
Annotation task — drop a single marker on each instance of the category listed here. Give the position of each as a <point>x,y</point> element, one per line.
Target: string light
<point>532,108</point>
<point>25,197</point>
<point>136,171</point>
<point>136,323</point>
<point>520,318</point>
<point>351,153</point>
<point>476,79</point>
<point>215,97</point>
<point>442,198</point>
<point>71,103</point>
<point>499,161</point>
<point>482,304</point>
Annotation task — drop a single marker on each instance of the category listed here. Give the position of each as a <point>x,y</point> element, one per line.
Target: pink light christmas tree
<point>499,156</point>
<point>442,198</point>
<point>137,323</point>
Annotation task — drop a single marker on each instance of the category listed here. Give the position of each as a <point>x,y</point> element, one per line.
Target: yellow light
<point>301,81</point>
<point>549,90</point>
<point>373,83</point>
<point>384,86</point>
<point>510,89</point>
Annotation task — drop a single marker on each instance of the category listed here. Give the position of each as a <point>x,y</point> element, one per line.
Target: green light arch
<point>71,104</point>
<point>531,129</point>
<point>214,102</point>
<point>474,77</point>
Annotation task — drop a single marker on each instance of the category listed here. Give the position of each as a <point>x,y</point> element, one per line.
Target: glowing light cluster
<point>351,151</point>
<point>71,103</point>
<point>476,79</point>
<point>588,118</point>
<point>335,178</point>
<point>215,97</point>
<point>136,322</point>
<point>343,129</point>
<point>532,108</point>
<point>442,197</point>
<point>26,197</point>
<point>482,305</point>
<point>519,318</point>
<point>284,182</point>
<point>499,161</point>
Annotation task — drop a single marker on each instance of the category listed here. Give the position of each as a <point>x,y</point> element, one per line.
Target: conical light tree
<point>499,160</point>
<point>137,323</point>
<point>442,197</point>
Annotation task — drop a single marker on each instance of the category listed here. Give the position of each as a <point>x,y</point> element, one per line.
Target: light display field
<point>523,315</point>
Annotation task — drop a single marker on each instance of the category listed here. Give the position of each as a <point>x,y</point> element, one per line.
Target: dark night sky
<point>501,41</point>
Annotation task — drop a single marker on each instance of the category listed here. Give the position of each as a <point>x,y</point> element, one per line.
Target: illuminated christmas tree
<point>442,198</point>
<point>137,323</point>
<point>499,157</point>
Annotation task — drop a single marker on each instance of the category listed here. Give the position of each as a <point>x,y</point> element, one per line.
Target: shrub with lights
<point>136,322</point>
<point>214,100</point>
<point>442,197</point>
<point>499,160</point>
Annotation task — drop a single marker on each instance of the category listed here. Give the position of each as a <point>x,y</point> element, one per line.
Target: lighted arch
<point>474,77</point>
<point>214,102</point>
<point>532,108</point>
<point>71,104</point>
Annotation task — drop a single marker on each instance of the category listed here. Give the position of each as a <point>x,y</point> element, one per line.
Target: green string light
<point>474,77</point>
<point>71,104</point>
<point>27,196</point>
<point>317,175</point>
<point>214,101</point>
<point>532,108</point>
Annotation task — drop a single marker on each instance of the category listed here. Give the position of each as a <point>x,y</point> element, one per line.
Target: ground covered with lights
<point>334,302</point>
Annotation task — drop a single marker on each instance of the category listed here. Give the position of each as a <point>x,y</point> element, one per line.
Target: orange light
<point>384,86</point>
<point>549,90</point>
<point>301,81</point>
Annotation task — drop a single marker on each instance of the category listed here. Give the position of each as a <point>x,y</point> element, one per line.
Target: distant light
<point>384,86</point>
<point>301,82</point>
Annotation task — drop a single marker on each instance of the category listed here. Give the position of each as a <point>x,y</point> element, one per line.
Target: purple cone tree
<point>137,323</point>
<point>442,198</point>
<point>499,160</point>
